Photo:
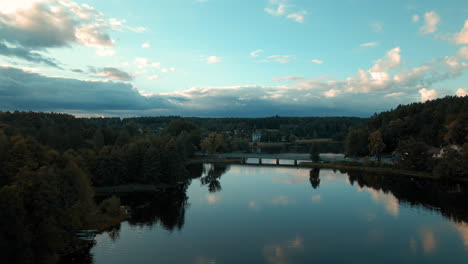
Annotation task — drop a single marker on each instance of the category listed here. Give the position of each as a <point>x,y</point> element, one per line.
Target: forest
<point>430,136</point>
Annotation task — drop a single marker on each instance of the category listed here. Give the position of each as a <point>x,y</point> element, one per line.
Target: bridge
<point>295,157</point>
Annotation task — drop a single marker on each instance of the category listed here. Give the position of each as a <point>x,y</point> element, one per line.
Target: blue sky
<point>230,58</point>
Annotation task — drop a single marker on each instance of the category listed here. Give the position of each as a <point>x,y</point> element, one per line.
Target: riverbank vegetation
<point>429,137</point>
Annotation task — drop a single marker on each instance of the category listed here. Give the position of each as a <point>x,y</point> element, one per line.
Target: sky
<point>230,58</point>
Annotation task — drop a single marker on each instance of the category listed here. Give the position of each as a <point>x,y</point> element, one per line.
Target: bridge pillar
<point>295,162</point>
<point>277,161</point>
<point>242,160</point>
<point>259,160</point>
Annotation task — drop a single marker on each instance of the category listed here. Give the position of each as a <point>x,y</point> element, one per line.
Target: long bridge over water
<point>278,157</point>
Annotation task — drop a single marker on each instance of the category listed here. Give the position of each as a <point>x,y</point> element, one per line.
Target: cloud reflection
<point>387,199</point>
<point>279,253</point>
<point>428,241</point>
<point>462,228</point>
<point>213,198</point>
<point>316,198</point>
<point>282,200</point>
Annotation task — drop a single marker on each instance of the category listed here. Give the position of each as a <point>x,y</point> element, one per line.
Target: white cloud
<point>42,25</point>
<point>331,93</point>
<point>280,8</point>
<point>462,36</point>
<point>463,53</point>
<point>143,63</point>
<point>256,53</point>
<point>391,60</point>
<point>153,78</point>
<point>427,95</point>
<point>377,26</point>
<point>213,59</point>
<point>369,44</point>
<point>146,45</point>
<point>279,58</point>
<point>431,20</point>
<point>415,18</point>
<point>316,61</point>
<point>396,94</point>
<point>278,11</point>
<point>298,16</point>
<point>288,78</point>
<point>461,92</point>
<point>168,70</point>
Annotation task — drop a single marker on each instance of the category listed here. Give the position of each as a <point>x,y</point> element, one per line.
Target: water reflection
<point>253,218</point>
<point>280,253</point>
<point>213,176</point>
<point>314,177</point>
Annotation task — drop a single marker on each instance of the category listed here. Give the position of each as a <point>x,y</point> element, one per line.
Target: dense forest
<point>49,164</point>
<point>429,136</point>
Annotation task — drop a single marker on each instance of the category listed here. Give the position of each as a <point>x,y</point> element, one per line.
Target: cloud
<point>256,53</point>
<point>23,90</point>
<point>153,78</point>
<point>143,63</point>
<point>169,70</point>
<point>331,93</point>
<point>49,24</point>
<point>280,8</point>
<point>396,94</point>
<point>391,60</point>
<point>462,36</point>
<point>45,24</point>
<point>369,44</point>
<point>415,18</point>
<point>427,95</point>
<point>317,61</point>
<point>461,92</point>
<point>298,16</point>
<point>381,87</point>
<point>213,59</point>
<point>279,58</point>
<point>26,54</point>
<point>431,20</point>
<point>377,26</point>
<point>288,78</point>
<point>112,73</point>
<point>463,53</point>
<point>146,45</point>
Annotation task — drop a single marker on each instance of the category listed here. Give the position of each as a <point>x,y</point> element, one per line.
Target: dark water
<point>251,214</point>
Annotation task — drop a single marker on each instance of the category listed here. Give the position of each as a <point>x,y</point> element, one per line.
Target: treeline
<point>300,127</point>
<point>431,136</point>
<point>49,164</point>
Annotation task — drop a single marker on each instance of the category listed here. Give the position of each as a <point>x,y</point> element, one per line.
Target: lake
<point>254,214</point>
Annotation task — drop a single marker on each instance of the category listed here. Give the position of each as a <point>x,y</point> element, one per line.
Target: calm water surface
<point>252,214</point>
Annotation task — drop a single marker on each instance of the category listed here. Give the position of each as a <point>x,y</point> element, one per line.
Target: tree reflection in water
<point>448,198</point>
<point>314,177</point>
<point>213,175</point>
